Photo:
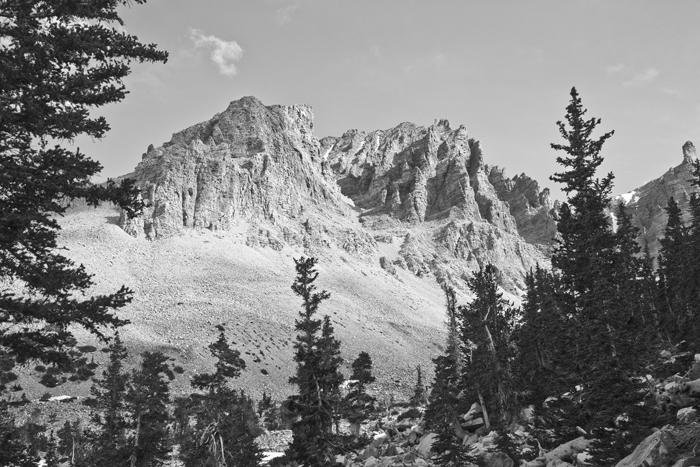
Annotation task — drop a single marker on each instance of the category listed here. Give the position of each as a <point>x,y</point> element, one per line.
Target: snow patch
<point>630,197</point>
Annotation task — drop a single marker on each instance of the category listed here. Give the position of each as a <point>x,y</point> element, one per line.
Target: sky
<point>503,69</point>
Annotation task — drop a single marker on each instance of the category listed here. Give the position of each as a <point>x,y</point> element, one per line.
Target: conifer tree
<point>147,404</point>
<point>441,413</point>
<point>226,424</point>
<point>59,60</point>
<point>486,328</point>
<point>599,281</point>
<point>358,404</point>
<point>538,354</point>
<point>109,440</point>
<point>418,397</point>
<point>316,375</point>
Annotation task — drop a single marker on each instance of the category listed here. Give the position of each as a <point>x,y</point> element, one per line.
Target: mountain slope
<point>646,204</point>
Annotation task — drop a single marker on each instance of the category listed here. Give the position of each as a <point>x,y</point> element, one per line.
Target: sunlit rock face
<point>425,193</point>
<point>646,204</point>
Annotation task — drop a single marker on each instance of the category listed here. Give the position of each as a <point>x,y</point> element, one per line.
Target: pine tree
<point>147,404</point>
<point>538,354</point>
<point>226,424</point>
<point>358,404</point>
<point>58,61</point>
<point>317,358</point>
<point>486,328</point>
<point>441,413</point>
<point>599,288</point>
<point>109,440</point>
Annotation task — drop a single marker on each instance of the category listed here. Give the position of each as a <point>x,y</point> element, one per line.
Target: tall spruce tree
<point>597,275</point>
<point>317,354</point>
<point>109,440</point>
<point>486,326</point>
<point>442,412</point>
<point>147,402</point>
<point>224,433</point>
<point>59,60</point>
<point>675,266</point>
<point>358,404</point>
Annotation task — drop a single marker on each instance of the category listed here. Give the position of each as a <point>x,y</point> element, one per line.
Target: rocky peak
<point>647,203</point>
<point>250,164</point>
<point>689,152</point>
<point>260,168</point>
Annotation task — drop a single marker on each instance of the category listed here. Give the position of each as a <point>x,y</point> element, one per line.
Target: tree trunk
<point>136,441</point>
<point>487,423</point>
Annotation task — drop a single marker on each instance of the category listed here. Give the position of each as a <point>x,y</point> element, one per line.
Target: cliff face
<point>424,194</point>
<point>646,204</point>
<point>252,167</point>
<point>430,187</point>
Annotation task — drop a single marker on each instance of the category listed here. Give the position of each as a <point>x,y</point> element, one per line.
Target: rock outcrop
<point>424,192</point>
<point>252,166</point>
<point>431,187</point>
<point>646,204</point>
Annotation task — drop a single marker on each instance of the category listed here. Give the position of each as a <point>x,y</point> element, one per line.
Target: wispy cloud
<point>284,15</point>
<point>673,92</point>
<point>612,69</point>
<point>223,53</point>
<point>646,76</point>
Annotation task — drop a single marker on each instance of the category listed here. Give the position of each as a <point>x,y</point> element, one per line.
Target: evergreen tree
<point>358,404</point>
<point>676,265</point>
<point>418,397</point>
<point>538,354</point>
<point>58,61</point>
<point>317,375</point>
<point>147,404</point>
<point>486,327</point>
<point>362,372</point>
<point>226,423</point>
<point>599,287</point>
<point>108,442</point>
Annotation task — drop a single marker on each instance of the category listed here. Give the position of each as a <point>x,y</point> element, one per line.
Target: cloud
<point>648,75</point>
<point>284,15</point>
<point>673,92</point>
<point>223,53</point>
<point>615,68</point>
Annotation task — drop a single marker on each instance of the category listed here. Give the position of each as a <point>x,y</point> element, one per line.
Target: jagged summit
<point>689,152</point>
<point>426,191</point>
<point>647,203</point>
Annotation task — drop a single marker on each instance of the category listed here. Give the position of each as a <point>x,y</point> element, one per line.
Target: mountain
<point>233,200</point>
<point>646,204</point>
<point>421,198</point>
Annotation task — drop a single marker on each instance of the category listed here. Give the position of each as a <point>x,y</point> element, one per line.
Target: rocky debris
<point>654,451</point>
<point>687,415</point>
<point>567,450</point>
<point>646,204</point>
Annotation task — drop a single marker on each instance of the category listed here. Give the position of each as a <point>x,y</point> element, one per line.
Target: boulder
<point>654,451</point>
<point>687,415</point>
<point>426,443</point>
<point>583,458</point>
<point>369,451</point>
<point>371,462</point>
<point>559,463</point>
<point>497,459</point>
<point>490,440</point>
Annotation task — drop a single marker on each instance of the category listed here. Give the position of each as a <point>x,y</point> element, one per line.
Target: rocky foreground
<point>399,439</point>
